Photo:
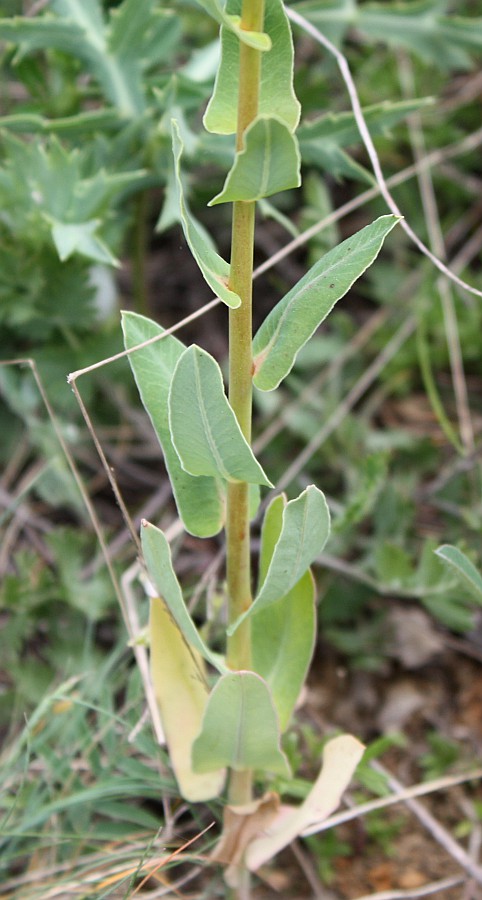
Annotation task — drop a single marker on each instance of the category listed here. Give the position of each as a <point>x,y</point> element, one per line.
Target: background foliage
<point>88,225</point>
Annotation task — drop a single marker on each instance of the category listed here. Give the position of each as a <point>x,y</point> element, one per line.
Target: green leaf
<point>239,728</point>
<point>276,87</point>
<point>116,53</point>
<point>258,40</point>
<point>81,238</point>
<point>78,125</point>
<point>157,554</point>
<point>463,566</point>
<point>200,501</point>
<point>215,270</point>
<point>181,694</point>
<point>304,532</point>
<point>322,140</point>
<point>332,17</point>
<point>60,195</point>
<point>283,636</point>
<point>421,27</point>
<point>297,316</point>
<point>204,429</point>
<point>341,756</point>
<point>268,163</point>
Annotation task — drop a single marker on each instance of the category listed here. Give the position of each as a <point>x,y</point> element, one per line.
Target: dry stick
<point>418,790</point>
<point>436,239</point>
<point>452,150</point>
<point>370,147</point>
<point>428,889</point>
<point>470,249</point>
<point>471,142</point>
<point>308,867</point>
<point>108,469</point>
<point>140,652</point>
<point>75,472</point>
<point>438,832</point>
<point>358,341</point>
<point>357,391</point>
<point>153,340</point>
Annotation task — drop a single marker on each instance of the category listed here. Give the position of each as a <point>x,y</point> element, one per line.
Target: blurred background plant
<point>383,408</point>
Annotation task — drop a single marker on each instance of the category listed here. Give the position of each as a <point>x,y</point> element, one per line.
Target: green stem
<point>240,379</point>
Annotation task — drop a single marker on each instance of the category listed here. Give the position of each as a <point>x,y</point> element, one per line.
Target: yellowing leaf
<point>181,694</point>
<point>340,759</point>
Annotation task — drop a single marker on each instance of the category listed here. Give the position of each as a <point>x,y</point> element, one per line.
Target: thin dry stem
<point>418,790</point>
<point>370,147</point>
<point>344,407</point>
<point>436,239</point>
<point>75,472</point>
<point>428,890</point>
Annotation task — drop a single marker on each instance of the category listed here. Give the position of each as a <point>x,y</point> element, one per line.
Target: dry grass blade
<point>429,202</point>
<point>428,890</point>
<point>370,148</point>
<point>73,468</point>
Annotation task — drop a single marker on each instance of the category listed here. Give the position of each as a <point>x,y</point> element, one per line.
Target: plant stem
<point>240,352</point>
<point>240,379</point>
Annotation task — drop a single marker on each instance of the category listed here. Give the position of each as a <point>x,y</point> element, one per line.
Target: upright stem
<point>240,377</point>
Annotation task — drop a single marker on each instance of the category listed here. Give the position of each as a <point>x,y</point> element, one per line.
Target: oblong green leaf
<point>304,532</point>
<point>463,566</point>
<point>283,636</point>
<point>200,501</point>
<point>181,694</point>
<point>157,555</point>
<point>297,316</point>
<point>239,728</point>
<point>257,39</point>
<point>276,88</point>
<point>214,268</point>
<point>204,429</point>
<point>268,163</point>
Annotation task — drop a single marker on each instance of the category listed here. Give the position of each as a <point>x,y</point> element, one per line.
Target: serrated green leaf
<point>283,636</point>
<point>304,532</point>
<point>268,163</point>
<point>200,501</point>
<point>42,34</point>
<point>215,270</point>
<point>421,27</point>
<point>181,694</point>
<point>204,429</point>
<point>322,140</point>
<point>117,53</point>
<point>157,554</point>
<point>332,17</point>
<point>239,728</point>
<point>69,126</point>
<point>297,316</point>
<point>81,238</point>
<point>463,566</point>
<point>276,86</point>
